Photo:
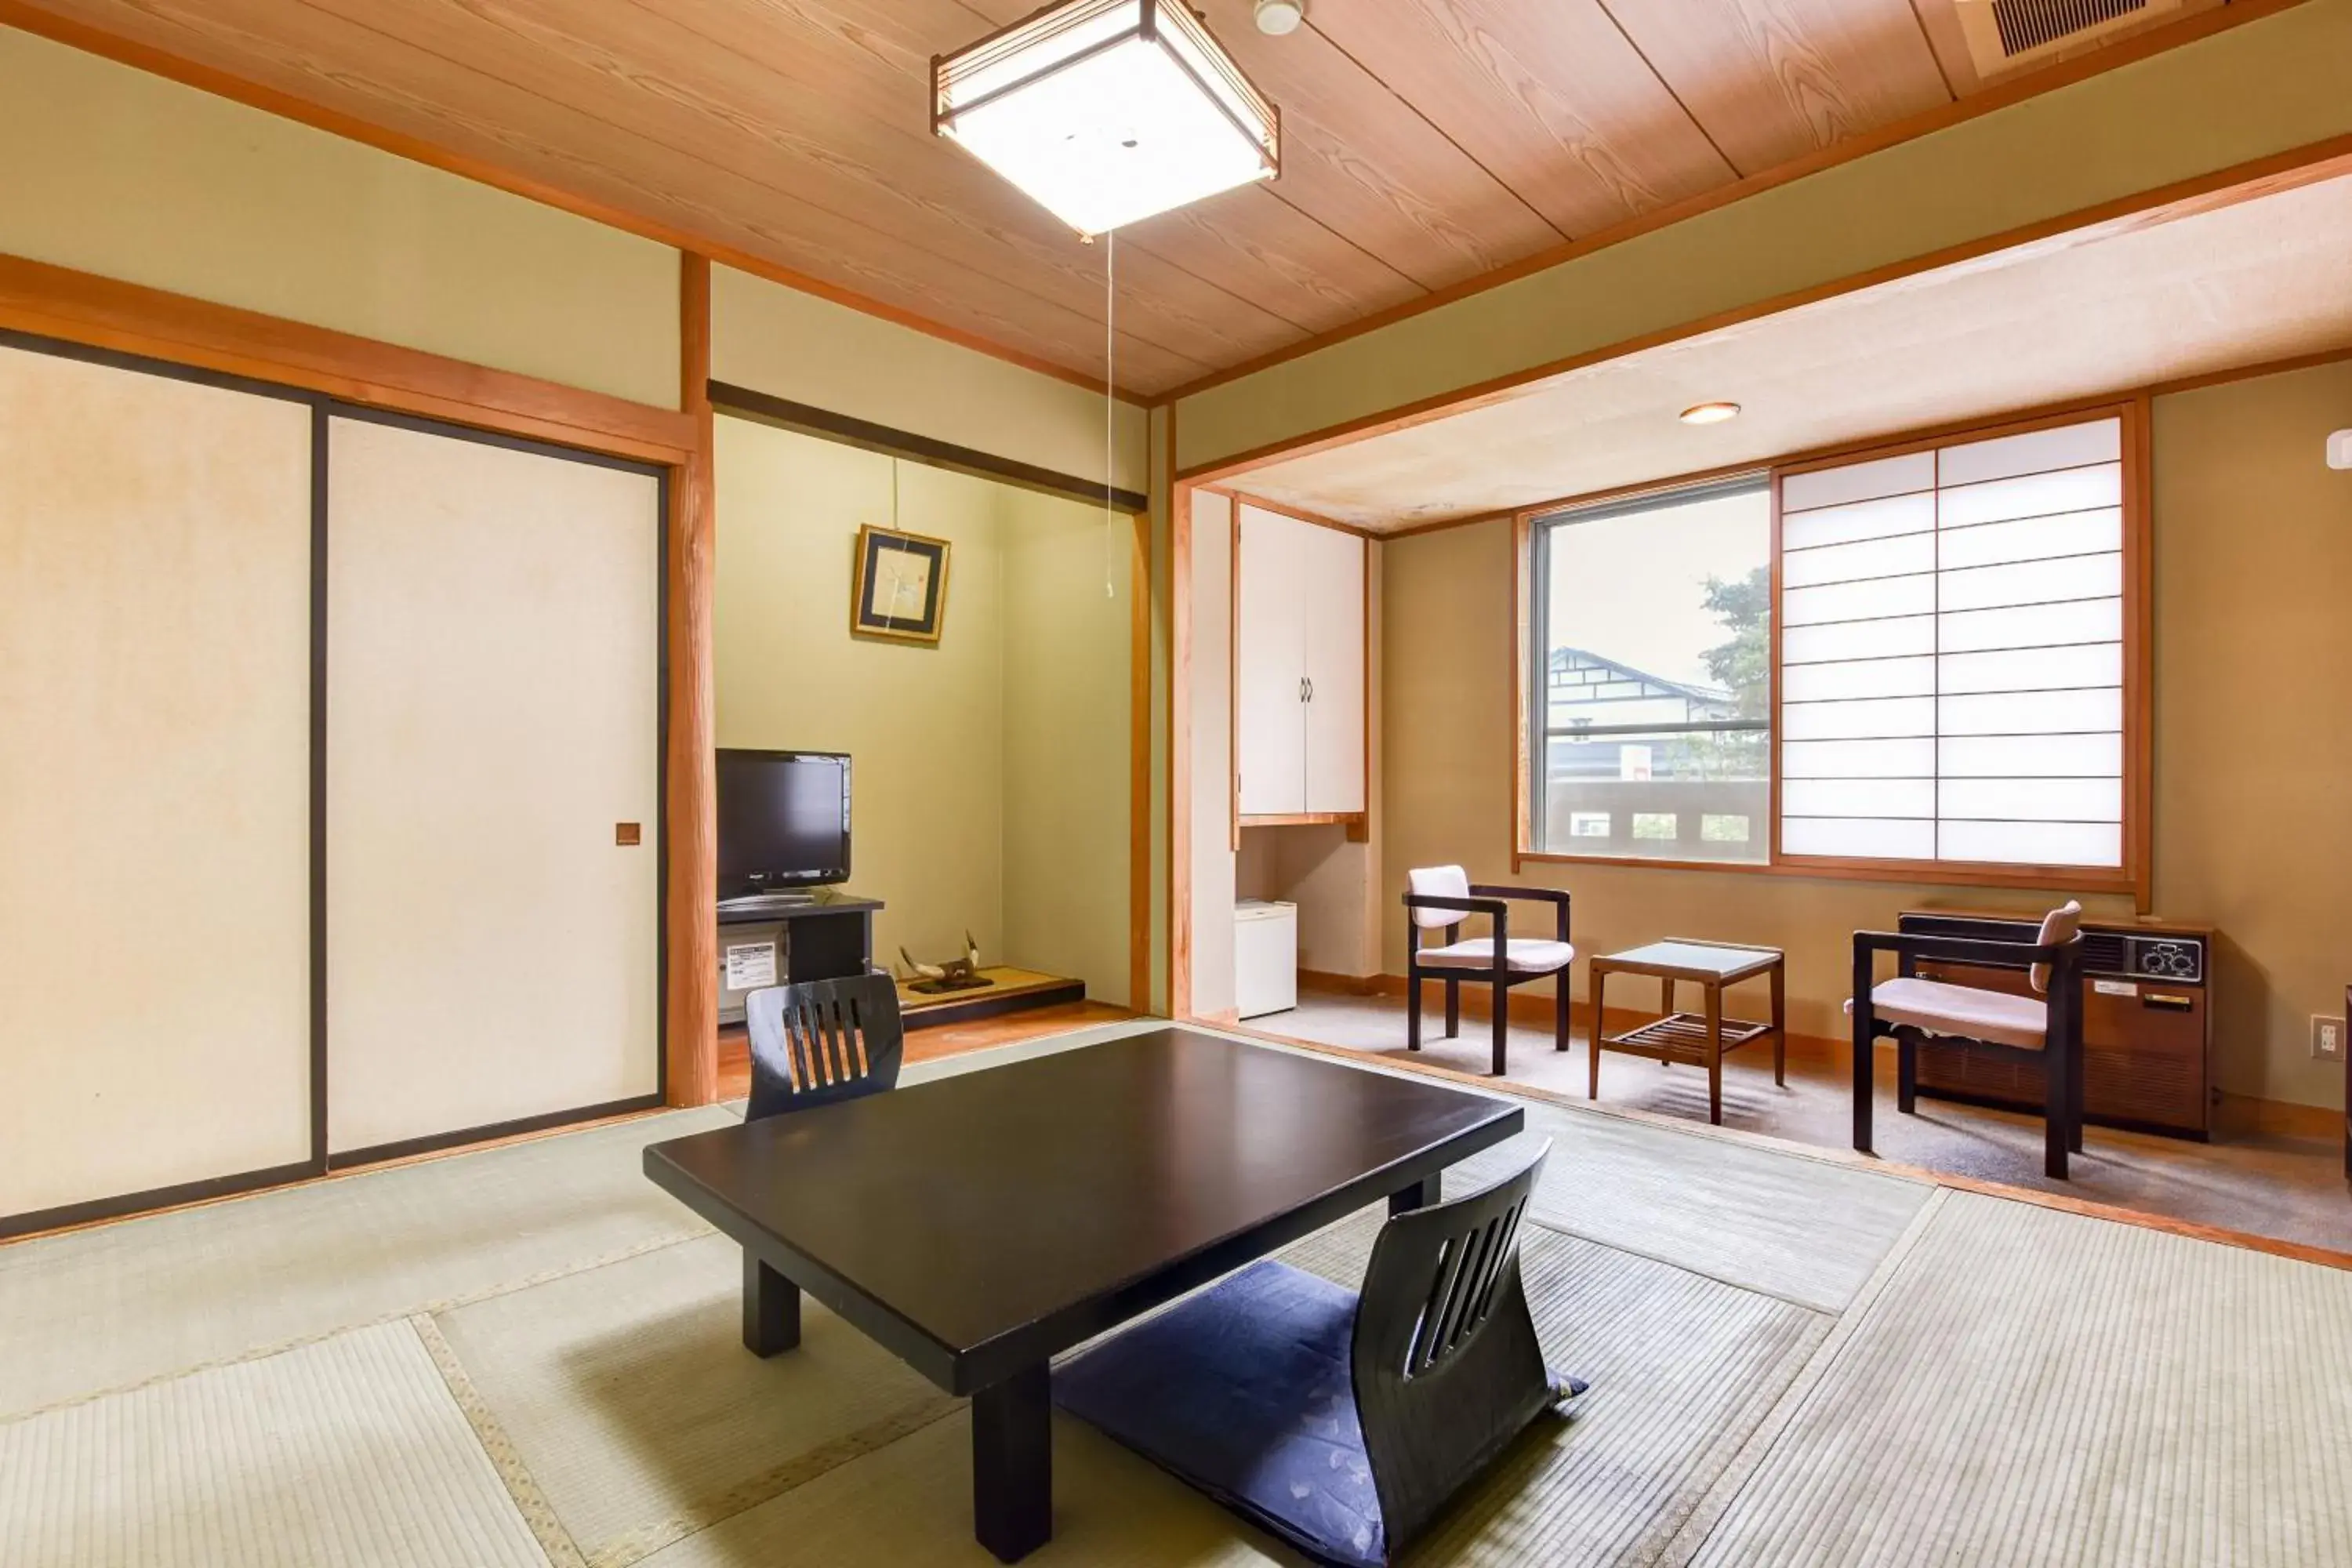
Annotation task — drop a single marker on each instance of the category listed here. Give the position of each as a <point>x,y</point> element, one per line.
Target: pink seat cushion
<point>2060,924</point>
<point>1529,955</point>
<point>1438,882</point>
<point>1963,1010</point>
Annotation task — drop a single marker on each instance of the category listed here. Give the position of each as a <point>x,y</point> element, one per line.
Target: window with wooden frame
<point>1649,686</point>
<point>1957,660</point>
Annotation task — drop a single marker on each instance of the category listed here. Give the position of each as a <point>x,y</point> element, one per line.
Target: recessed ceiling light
<point>1709,413</point>
<point>1280,17</point>
<point>1107,111</point>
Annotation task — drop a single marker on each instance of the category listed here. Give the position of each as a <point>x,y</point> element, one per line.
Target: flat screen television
<point>783,820</point>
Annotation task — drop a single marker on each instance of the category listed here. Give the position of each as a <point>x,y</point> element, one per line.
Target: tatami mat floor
<point>528,1355</point>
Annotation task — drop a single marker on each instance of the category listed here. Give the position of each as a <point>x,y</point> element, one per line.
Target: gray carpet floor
<point>2268,1183</point>
<point>530,1355</point>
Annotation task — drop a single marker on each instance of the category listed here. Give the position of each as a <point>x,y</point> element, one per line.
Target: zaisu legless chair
<point>1343,1423</point>
<point>822,1041</point>
<point>1441,896</point>
<point>2044,1029</point>
<point>816,1043</point>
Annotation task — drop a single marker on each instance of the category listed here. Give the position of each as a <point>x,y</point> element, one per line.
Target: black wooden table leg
<point>1419,1196</point>
<point>771,1309</point>
<point>1012,1465</point>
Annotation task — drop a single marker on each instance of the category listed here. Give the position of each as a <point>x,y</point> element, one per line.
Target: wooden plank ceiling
<point>1426,142</point>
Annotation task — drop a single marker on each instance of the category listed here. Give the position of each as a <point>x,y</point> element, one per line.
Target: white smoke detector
<point>1280,17</point>
<point>2339,449</point>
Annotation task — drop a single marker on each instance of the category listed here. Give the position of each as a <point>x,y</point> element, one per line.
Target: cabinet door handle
<point>1310,689</point>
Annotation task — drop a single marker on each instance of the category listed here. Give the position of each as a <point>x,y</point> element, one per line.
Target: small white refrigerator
<point>1265,958</point>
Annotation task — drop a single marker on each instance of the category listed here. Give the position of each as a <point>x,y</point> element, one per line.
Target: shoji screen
<point>1952,653</point>
<point>154,782</point>
<point>492,720</point>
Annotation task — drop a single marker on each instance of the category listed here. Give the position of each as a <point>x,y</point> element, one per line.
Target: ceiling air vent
<point>2004,35</point>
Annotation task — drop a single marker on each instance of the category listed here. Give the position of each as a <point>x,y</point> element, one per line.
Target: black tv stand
<point>764,905</point>
<point>827,934</point>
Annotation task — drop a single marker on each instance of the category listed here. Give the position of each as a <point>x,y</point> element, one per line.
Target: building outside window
<point>1652,628</point>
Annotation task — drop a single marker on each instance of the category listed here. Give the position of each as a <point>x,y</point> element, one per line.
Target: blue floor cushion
<point>1245,1392</point>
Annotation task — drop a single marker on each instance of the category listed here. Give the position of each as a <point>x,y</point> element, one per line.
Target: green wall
<point>991,770</point>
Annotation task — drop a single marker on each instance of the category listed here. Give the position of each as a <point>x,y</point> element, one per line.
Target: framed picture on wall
<point>901,586</point>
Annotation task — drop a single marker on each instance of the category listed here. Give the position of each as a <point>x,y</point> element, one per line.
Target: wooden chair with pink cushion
<point>2045,1028</point>
<point>1441,896</point>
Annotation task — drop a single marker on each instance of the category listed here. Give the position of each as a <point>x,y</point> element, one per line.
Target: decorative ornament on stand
<point>954,974</point>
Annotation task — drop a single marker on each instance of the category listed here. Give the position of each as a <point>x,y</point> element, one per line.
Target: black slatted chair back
<point>822,1041</point>
<point>1446,1366</point>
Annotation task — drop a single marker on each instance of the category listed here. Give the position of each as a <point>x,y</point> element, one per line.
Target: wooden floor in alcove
<point>927,1045</point>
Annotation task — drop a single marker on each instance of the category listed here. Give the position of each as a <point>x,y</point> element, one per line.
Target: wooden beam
<point>2088,403</point>
<point>690,836</point>
<point>1139,791</point>
<point>2208,191</point>
<point>811,420</point>
<point>1282,508</point>
<point>100,312</point>
<point>1180,742</point>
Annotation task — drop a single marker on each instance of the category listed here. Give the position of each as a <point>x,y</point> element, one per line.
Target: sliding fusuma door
<point>493,797</point>
<point>155,536</point>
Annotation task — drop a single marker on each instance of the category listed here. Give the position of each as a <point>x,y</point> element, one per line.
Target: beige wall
<point>1068,606</point>
<point>991,772</point>
<point>2253,91</point>
<point>2253,546</point>
<point>925,725</point>
<point>1334,882</point>
<point>155,782</point>
<point>2253,679</point>
<point>130,176</point>
<point>807,349</point>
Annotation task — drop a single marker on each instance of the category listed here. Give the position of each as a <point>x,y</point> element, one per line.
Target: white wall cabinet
<point>1298,671</point>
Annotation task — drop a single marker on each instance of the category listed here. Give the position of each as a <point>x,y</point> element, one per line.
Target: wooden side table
<point>1695,1039</point>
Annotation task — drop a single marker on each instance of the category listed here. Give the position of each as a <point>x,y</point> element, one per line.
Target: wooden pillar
<point>691,933</point>
<point>1139,801</point>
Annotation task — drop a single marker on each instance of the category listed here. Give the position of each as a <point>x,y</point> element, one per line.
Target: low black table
<point>978,1224</point>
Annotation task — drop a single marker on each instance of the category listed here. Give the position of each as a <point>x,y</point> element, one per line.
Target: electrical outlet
<point>2327,1038</point>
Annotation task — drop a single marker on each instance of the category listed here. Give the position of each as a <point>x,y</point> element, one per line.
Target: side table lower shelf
<point>1693,1039</point>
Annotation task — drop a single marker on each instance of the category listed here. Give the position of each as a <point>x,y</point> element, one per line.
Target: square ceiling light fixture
<point>1106,111</point>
